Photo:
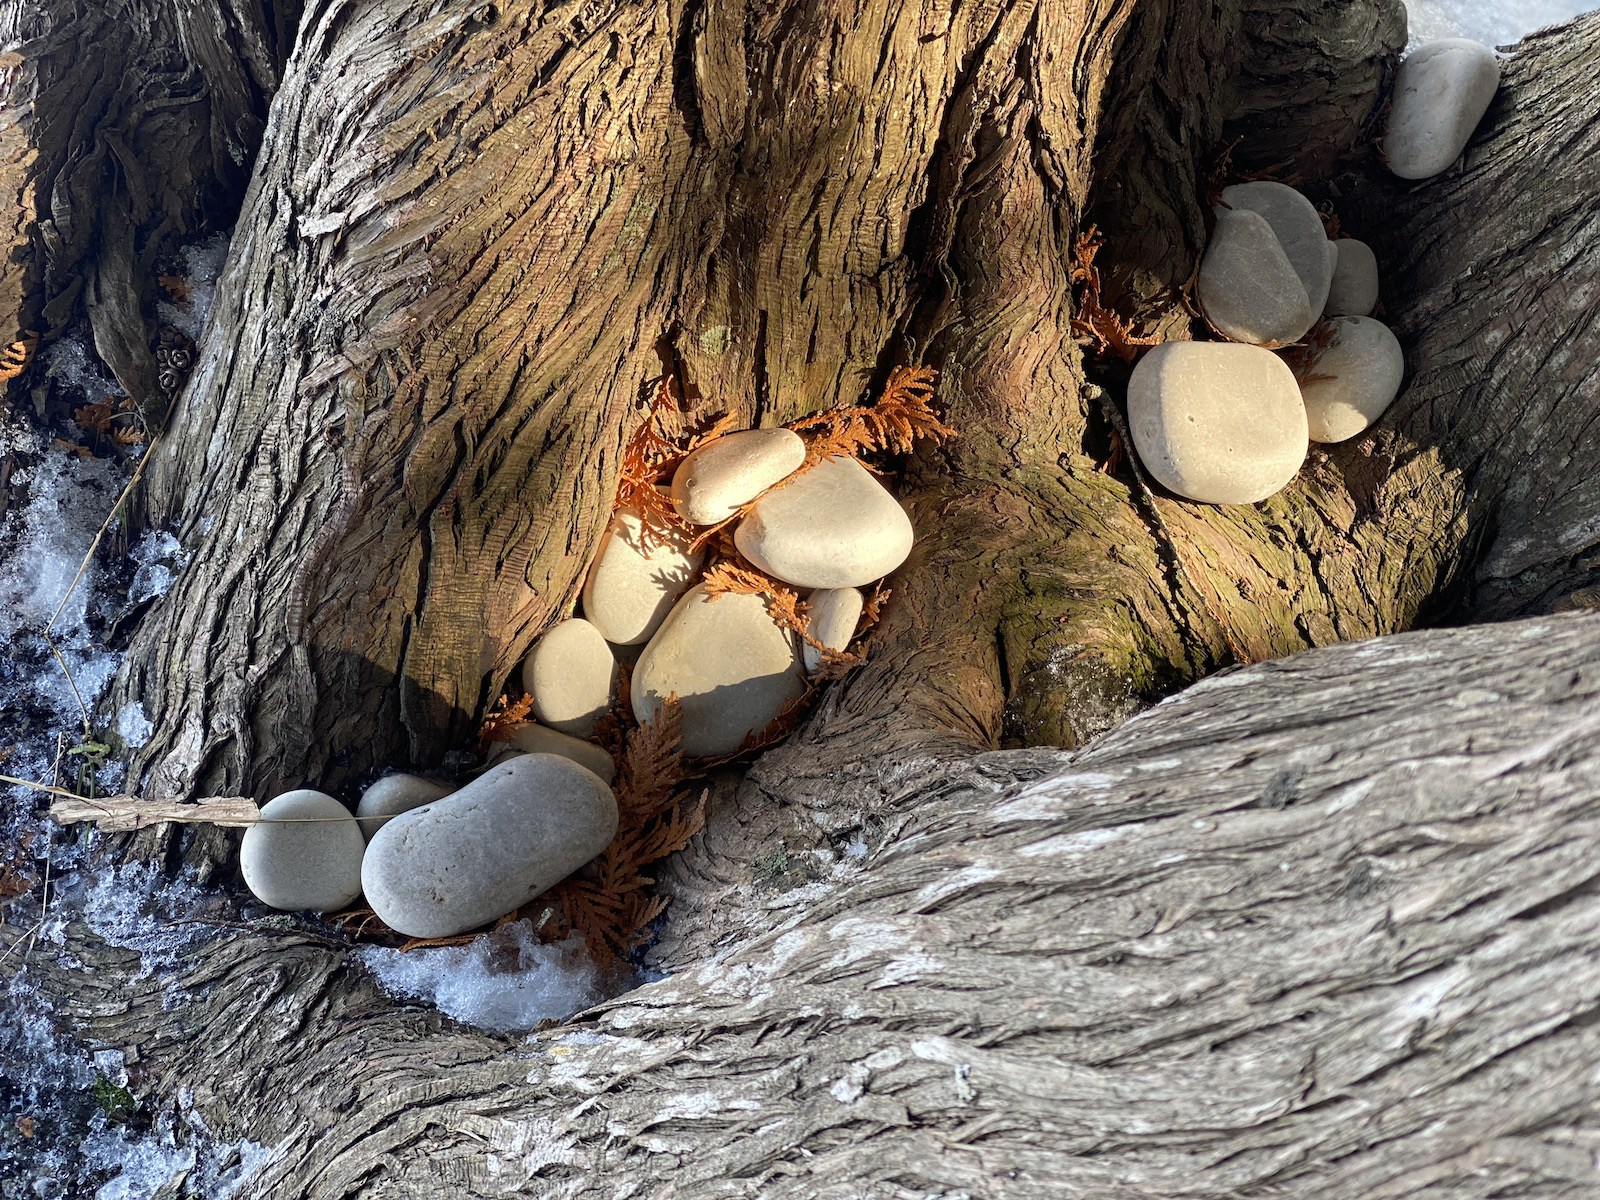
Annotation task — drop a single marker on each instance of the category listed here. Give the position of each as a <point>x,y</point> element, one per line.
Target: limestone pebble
<point>571,676</point>
<point>1217,422</point>
<point>1441,92</point>
<point>1265,274</point>
<point>528,737</point>
<point>393,795</point>
<point>304,853</point>
<point>730,665</point>
<point>834,614</point>
<point>1354,379</point>
<point>1354,290</point>
<point>831,526</point>
<point>514,832</point>
<point>722,476</point>
<point>631,586</point>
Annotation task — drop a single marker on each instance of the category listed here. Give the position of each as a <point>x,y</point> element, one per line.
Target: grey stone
<point>1354,291</point>
<point>1441,92</point>
<point>1364,366</point>
<point>572,677</point>
<point>529,738</point>
<point>1299,231</point>
<point>731,667</point>
<point>517,830</point>
<point>724,475</point>
<point>832,526</point>
<point>1247,285</point>
<point>834,614</point>
<point>393,795</point>
<point>305,852</point>
<point>1216,421</point>
<point>631,588</point>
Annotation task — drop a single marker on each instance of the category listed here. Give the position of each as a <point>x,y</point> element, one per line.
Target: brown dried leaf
<point>652,767</point>
<point>1095,326</point>
<point>174,287</point>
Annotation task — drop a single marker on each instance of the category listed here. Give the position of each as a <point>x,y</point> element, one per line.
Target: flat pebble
<point>517,830</point>
<point>1354,291</point>
<point>1265,274</point>
<point>1218,422</point>
<point>1441,92</point>
<point>835,613</point>
<point>832,526</point>
<point>572,677</point>
<point>631,589</point>
<point>731,667</point>
<point>724,475</point>
<point>530,738</point>
<point>312,860</point>
<point>393,795</point>
<point>1298,228</point>
<point>1366,365</point>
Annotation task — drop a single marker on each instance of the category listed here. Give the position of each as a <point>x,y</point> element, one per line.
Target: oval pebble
<point>1364,366</point>
<point>530,738</point>
<point>630,588</point>
<point>1441,92</point>
<point>731,667</point>
<point>311,860</point>
<point>1354,291</point>
<point>722,476</point>
<point>834,614</point>
<point>830,527</point>
<point>393,795</point>
<point>1217,422</point>
<point>1247,286</point>
<point>1298,228</point>
<point>571,676</point>
<point>517,830</point>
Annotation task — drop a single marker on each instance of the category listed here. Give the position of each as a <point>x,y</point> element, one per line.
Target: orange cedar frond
<point>174,287</point>
<point>94,418</point>
<point>14,359</point>
<point>126,435</point>
<point>894,422</point>
<point>1095,326</point>
<point>652,767</point>
<point>500,722</point>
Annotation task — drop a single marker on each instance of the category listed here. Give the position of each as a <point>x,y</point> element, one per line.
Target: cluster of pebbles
<point>438,860</point>
<point>1230,422</point>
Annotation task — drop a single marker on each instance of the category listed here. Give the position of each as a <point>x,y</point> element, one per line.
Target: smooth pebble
<point>1265,274</point>
<point>1441,92</point>
<point>393,795</point>
<point>572,677</point>
<point>724,475</point>
<point>731,667</point>
<point>517,830</point>
<point>1216,421</point>
<point>1365,365</point>
<point>834,614</point>
<point>312,859</point>
<point>1354,291</point>
<point>631,589</point>
<point>530,738</point>
<point>832,526</point>
<point>1298,228</point>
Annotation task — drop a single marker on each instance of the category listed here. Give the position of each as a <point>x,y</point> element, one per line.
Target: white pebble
<point>305,852</point>
<point>393,795</point>
<point>529,738</point>
<point>1364,366</point>
<point>724,475</point>
<point>1441,92</point>
<point>630,588</point>
<point>834,614</point>
<point>1354,291</point>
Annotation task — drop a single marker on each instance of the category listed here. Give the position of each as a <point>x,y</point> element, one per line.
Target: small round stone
<point>834,614</point>
<point>1217,422</point>
<point>1247,285</point>
<point>304,853</point>
<point>393,795</point>
<point>1354,291</point>
<point>572,677</point>
<point>1354,380</point>
<point>730,665</point>
<point>530,738</point>
<point>724,475</point>
<point>632,587</point>
<point>832,526</point>
<point>1441,92</point>
<point>517,830</point>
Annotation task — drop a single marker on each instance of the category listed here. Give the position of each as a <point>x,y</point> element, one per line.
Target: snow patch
<point>203,263</point>
<point>133,727</point>
<point>1495,24</point>
<point>159,557</point>
<point>136,907</point>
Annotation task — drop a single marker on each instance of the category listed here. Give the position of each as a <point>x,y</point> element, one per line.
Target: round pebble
<point>731,667</point>
<point>832,526</point>
<point>723,476</point>
<point>572,677</point>
<point>630,588</point>
<point>517,830</point>
<point>1441,92</point>
<point>393,795</point>
<point>529,738</point>
<point>1217,422</point>
<point>1354,380</point>
<point>305,853</point>
<point>1354,291</point>
<point>834,614</point>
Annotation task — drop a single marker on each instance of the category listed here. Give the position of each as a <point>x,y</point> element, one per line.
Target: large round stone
<point>305,852</point>
<point>393,795</point>
<point>1355,379</point>
<point>834,614</point>
<point>631,588</point>
<point>529,738</point>
<point>1247,286</point>
<point>830,527</point>
<point>1441,92</point>
<point>731,667</point>
<point>1216,421</point>
<point>1354,291</point>
<point>572,677</point>
<point>722,476</point>
<point>517,830</point>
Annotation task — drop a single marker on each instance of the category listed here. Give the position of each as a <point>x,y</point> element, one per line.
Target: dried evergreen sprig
<point>1304,355</point>
<point>893,423</point>
<point>501,721</point>
<point>14,359</point>
<point>1095,326</point>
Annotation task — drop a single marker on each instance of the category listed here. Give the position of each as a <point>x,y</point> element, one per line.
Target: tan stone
<point>393,795</point>
<point>571,676</point>
<point>1354,291</point>
<point>724,475</point>
<point>631,588</point>
<point>1354,380</point>
<point>1441,92</point>
<point>530,738</point>
<point>834,614</point>
<point>304,853</point>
